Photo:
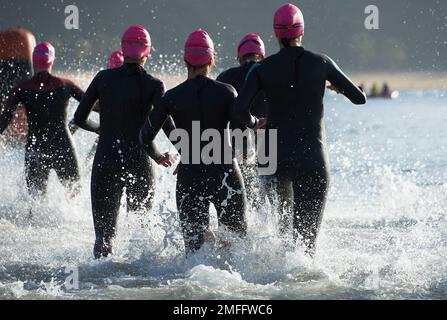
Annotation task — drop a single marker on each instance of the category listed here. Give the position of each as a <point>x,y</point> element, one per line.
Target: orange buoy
<point>16,50</point>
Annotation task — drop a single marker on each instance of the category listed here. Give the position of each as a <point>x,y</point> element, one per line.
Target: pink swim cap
<point>116,60</point>
<point>251,44</point>
<point>43,55</point>
<point>199,48</point>
<point>136,42</point>
<point>288,22</point>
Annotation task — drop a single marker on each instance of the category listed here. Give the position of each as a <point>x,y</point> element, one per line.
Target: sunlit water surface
<point>384,233</point>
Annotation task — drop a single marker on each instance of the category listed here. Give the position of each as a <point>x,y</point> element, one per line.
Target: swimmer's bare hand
<point>167,160</point>
<point>262,124</point>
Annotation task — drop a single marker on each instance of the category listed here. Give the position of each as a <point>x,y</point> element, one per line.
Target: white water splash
<point>384,233</point>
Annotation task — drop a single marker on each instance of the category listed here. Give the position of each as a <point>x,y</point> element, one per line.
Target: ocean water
<point>384,233</point>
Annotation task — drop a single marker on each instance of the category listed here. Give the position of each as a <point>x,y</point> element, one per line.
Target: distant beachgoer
<point>294,83</point>
<point>201,99</point>
<point>385,90</point>
<point>127,95</point>
<point>49,144</point>
<point>375,92</point>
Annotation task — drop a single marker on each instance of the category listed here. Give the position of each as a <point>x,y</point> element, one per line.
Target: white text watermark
<point>372,20</point>
<point>72,17</point>
<point>210,147</point>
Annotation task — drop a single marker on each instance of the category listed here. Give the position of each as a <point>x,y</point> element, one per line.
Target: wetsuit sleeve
<point>343,84</point>
<point>151,128</point>
<point>85,107</point>
<point>159,93</point>
<point>76,92</point>
<point>7,112</point>
<point>169,126</point>
<point>244,102</point>
<point>235,123</point>
<point>222,77</point>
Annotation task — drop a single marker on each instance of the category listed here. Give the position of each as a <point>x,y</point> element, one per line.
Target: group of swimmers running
<point>283,92</point>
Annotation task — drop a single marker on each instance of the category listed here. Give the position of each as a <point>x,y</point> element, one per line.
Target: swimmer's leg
<point>193,210</point>
<point>252,185</point>
<point>310,200</point>
<point>92,152</point>
<point>140,187</point>
<point>66,166</point>
<point>230,200</point>
<point>37,173</point>
<point>106,192</point>
<point>282,189</point>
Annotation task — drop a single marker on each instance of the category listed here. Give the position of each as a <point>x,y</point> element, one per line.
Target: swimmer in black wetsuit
<point>116,60</point>
<point>200,99</point>
<point>294,81</point>
<point>251,51</point>
<point>49,143</point>
<point>126,96</point>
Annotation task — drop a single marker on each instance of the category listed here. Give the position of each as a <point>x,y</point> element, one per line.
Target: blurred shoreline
<point>402,80</point>
<point>396,80</point>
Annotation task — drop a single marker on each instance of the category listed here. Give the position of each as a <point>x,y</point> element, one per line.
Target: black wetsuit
<point>12,73</point>
<point>199,184</point>
<point>294,81</point>
<point>49,145</point>
<point>126,96</point>
<point>237,77</point>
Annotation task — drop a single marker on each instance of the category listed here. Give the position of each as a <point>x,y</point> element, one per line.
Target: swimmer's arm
<point>169,126</point>
<point>223,77</point>
<point>76,92</point>
<point>151,128</point>
<point>7,112</point>
<point>235,123</point>
<point>219,77</point>
<point>244,102</point>
<point>85,107</point>
<point>342,83</point>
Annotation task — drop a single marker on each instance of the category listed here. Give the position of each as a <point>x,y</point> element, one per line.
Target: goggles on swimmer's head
<point>247,41</point>
<point>287,27</point>
<point>198,50</point>
<point>44,53</point>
